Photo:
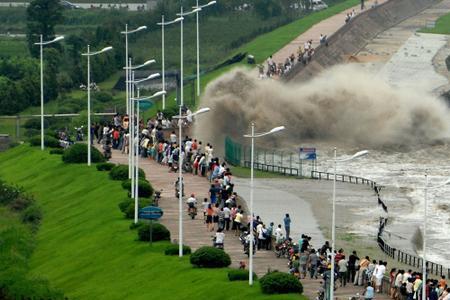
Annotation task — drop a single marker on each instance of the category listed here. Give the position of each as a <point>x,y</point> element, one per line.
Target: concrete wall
<point>355,35</point>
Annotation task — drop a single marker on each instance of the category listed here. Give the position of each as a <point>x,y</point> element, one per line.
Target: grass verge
<point>85,248</point>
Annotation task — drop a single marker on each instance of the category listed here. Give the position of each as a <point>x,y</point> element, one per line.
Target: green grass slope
<point>442,26</point>
<point>85,248</point>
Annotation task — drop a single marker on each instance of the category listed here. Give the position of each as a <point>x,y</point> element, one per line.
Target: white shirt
<point>173,137</point>
<point>227,212</point>
<point>192,200</point>
<point>380,271</point>
<point>220,237</point>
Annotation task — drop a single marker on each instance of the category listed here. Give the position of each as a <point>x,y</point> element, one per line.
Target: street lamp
<point>182,14</point>
<point>89,54</point>
<point>133,146</point>
<point>162,24</point>
<point>127,74</point>
<point>198,43</point>
<point>424,239</point>
<point>180,175</point>
<point>129,81</point>
<point>138,99</point>
<point>333,222</point>
<point>252,136</point>
<point>42,44</point>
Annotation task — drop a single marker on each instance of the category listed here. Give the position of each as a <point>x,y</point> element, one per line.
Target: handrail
<point>343,178</point>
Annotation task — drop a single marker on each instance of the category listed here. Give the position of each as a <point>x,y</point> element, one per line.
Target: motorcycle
<point>80,134</point>
<point>192,211</point>
<point>177,187</point>
<point>157,197</point>
<point>217,245</point>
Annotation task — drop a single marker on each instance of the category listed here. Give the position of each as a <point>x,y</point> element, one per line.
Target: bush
<point>239,274</point>
<point>210,257</point>
<point>120,172</point>
<point>49,141</point>
<point>106,166</point>
<point>59,151</point>
<point>280,283</point>
<point>8,193</point>
<point>173,249</point>
<point>103,97</point>
<point>77,153</point>
<point>30,132</point>
<point>32,215</point>
<point>127,206</point>
<point>145,189</point>
<point>35,123</point>
<point>21,202</point>
<point>159,232</point>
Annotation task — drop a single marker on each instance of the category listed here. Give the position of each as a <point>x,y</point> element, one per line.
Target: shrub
<point>173,249</point>
<point>32,215</point>
<point>8,193</point>
<point>120,172</point>
<point>239,274</point>
<point>127,206</point>
<point>159,232</point>
<point>103,97</point>
<point>280,283</point>
<point>145,189</point>
<point>106,166</point>
<point>77,153</point>
<point>21,202</point>
<point>136,225</point>
<point>49,141</point>
<point>210,257</point>
<point>59,151</point>
<point>35,123</point>
<point>30,132</point>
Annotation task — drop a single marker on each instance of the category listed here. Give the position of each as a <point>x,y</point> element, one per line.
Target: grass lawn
<point>442,26</point>
<point>85,248</point>
<point>13,46</point>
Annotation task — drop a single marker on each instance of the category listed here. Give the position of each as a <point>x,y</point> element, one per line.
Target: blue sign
<point>308,154</point>
<point>150,213</point>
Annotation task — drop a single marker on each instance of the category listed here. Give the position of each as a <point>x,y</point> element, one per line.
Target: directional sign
<point>150,213</point>
<point>308,153</point>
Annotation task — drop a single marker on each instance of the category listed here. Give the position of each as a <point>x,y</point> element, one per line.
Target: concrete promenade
<point>195,233</point>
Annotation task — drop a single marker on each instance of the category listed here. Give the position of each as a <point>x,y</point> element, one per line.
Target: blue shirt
<point>287,222</point>
<point>369,293</point>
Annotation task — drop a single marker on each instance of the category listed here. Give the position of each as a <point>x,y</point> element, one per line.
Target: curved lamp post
<point>133,146</point>
<point>333,222</point>
<point>252,136</point>
<point>162,24</point>
<point>42,44</point>
<point>89,54</point>
<point>127,73</point>
<point>201,7</point>
<point>180,175</point>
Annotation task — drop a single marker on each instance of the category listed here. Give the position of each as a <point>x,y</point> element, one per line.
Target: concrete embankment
<point>354,36</point>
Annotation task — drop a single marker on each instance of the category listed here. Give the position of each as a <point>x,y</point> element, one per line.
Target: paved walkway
<point>326,27</point>
<point>195,233</point>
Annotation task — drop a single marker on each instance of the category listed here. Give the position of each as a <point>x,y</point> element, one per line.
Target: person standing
<point>227,217</point>
<point>342,264</point>
<point>352,265</point>
<point>287,225</point>
<point>269,236</point>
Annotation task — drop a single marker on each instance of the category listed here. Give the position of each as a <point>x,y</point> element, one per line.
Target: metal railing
<point>343,178</point>
<point>288,171</point>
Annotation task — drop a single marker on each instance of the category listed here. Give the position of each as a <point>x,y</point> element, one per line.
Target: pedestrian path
<point>195,233</point>
<point>326,27</point>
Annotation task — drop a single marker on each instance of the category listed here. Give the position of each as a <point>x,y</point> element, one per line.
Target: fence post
<point>17,128</point>
<point>290,164</point>
<point>265,153</point>
<point>281,155</point>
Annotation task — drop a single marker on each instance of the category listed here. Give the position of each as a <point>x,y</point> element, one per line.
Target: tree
<point>42,17</point>
<point>267,8</point>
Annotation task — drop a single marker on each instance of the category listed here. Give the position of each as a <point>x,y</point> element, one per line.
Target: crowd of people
<point>304,56</point>
<point>223,214</point>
